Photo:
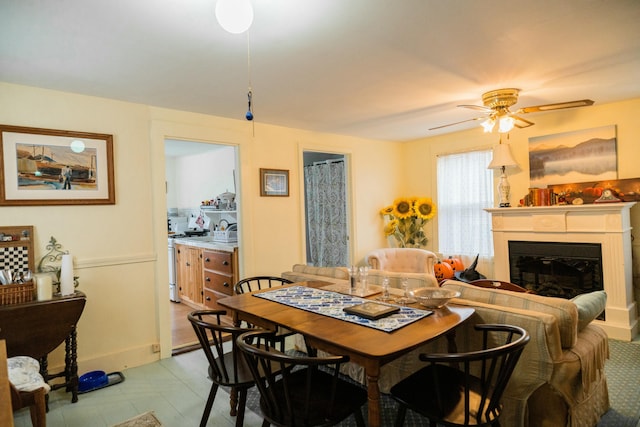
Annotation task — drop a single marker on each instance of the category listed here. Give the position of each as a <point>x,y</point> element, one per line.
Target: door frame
<point>159,131</point>
<point>351,237</point>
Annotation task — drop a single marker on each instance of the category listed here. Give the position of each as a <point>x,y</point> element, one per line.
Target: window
<point>465,189</point>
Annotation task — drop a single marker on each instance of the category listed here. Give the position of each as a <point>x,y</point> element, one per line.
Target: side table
<point>36,328</point>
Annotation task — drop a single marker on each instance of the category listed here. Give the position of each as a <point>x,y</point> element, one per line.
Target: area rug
<point>148,419</point>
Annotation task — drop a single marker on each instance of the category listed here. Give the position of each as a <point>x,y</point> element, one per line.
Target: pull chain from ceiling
<point>249,115</point>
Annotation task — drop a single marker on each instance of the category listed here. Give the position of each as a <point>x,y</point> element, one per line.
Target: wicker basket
<point>17,293</point>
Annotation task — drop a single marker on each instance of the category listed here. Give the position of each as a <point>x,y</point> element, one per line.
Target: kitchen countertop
<point>206,242</point>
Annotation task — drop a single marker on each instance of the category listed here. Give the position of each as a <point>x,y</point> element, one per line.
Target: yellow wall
<point>120,250</point>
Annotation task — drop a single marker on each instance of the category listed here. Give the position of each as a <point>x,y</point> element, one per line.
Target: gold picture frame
<point>55,167</point>
<point>274,182</point>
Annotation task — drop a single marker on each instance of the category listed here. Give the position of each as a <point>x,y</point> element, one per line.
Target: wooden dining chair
<point>28,388</point>
<point>255,283</point>
<point>225,368</point>
<point>462,389</point>
<point>300,390</point>
<point>498,284</point>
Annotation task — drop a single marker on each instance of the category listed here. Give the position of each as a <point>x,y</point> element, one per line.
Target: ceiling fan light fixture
<point>505,124</point>
<point>497,112</point>
<point>488,125</point>
<point>234,16</point>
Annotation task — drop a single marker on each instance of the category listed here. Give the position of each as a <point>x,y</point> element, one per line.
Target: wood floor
<point>182,336</point>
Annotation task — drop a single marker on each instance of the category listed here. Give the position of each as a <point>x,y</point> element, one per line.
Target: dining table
<point>371,348</point>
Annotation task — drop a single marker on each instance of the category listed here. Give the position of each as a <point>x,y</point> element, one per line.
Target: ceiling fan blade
<point>457,123</point>
<point>520,122</point>
<point>477,107</point>
<point>557,106</point>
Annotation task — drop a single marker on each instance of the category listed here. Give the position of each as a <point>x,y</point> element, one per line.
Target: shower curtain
<point>326,206</point>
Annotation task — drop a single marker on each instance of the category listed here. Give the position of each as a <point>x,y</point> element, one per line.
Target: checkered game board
<point>15,258</point>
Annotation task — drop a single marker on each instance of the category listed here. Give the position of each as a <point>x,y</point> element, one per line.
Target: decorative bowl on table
<point>434,297</point>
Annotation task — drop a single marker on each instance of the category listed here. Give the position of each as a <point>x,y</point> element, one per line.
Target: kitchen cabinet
<point>204,275</point>
<point>220,273</point>
<point>189,274</point>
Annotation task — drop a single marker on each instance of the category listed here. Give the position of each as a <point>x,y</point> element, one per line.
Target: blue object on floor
<point>96,380</point>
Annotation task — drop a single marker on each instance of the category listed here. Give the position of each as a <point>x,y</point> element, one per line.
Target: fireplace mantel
<point>608,224</point>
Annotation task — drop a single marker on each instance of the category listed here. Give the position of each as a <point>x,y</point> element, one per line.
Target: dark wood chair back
<point>498,284</point>
<point>255,283</point>
<point>462,389</point>
<point>225,368</point>
<point>300,390</point>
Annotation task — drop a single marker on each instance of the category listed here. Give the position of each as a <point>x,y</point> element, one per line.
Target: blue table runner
<point>330,304</point>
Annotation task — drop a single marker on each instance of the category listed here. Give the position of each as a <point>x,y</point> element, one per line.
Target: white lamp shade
<point>502,157</point>
<point>235,16</point>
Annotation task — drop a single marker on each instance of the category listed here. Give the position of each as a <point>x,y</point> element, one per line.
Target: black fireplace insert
<point>557,269</point>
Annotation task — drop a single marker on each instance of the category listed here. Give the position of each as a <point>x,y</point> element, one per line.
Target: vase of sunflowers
<point>405,220</point>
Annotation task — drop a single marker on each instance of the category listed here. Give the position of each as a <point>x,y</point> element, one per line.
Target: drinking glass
<point>406,298</point>
<point>385,291</point>
<point>353,278</point>
<point>363,271</point>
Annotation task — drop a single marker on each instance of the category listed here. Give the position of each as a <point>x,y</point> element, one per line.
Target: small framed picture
<point>274,182</point>
<point>372,310</point>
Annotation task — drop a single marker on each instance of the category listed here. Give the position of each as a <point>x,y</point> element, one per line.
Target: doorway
<point>326,209</point>
<point>196,173</point>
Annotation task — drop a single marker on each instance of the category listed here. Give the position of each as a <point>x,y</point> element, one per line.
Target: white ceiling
<point>379,69</point>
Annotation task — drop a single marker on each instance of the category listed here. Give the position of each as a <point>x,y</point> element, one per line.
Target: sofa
<point>559,380</point>
<point>340,275</point>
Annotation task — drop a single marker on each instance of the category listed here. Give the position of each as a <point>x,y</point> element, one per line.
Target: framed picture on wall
<point>55,167</point>
<point>274,182</point>
<point>577,156</point>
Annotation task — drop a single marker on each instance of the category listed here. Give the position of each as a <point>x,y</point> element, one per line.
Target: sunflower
<point>425,208</point>
<point>391,227</point>
<point>406,218</point>
<point>386,210</point>
<point>402,208</point>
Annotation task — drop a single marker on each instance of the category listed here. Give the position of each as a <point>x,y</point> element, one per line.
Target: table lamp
<point>502,159</point>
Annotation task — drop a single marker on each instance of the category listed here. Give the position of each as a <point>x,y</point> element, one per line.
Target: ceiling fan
<point>496,110</point>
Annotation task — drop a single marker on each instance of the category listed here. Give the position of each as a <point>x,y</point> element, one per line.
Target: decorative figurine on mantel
<point>59,264</point>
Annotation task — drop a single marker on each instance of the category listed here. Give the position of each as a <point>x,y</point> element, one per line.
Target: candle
<point>66,275</point>
<point>44,287</point>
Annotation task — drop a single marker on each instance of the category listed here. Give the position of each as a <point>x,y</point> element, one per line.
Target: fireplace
<point>557,269</point>
<point>567,250</point>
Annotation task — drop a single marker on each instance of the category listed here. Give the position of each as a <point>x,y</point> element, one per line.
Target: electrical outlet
<point>155,348</point>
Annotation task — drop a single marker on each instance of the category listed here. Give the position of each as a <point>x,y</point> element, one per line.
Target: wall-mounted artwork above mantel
<point>579,156</point>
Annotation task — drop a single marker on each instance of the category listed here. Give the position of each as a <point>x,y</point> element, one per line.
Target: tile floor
<point>175,389</point>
